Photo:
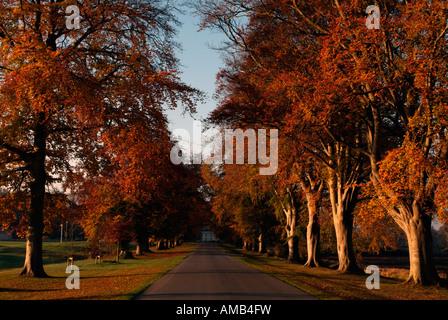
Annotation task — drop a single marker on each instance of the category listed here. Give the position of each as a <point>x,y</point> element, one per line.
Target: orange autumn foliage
<point>75,101</point>
<point>366,104</point>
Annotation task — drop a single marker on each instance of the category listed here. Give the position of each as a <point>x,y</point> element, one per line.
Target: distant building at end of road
<point>207,235</point>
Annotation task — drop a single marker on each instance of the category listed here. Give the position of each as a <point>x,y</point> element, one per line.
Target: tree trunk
<point>313,235</point>
<point>343,202</point>
<point>161,245</point>
<point>343,224</point>
<point>33,265</point>
<point>422,268</point>
<point>261,246</point>
<point>312,186</point>
<point>118,251</point>
<point>142,245</point>
<point>293,247</point>
<point>416,224</point>
<point>142,242</point>
<point>289,210</point>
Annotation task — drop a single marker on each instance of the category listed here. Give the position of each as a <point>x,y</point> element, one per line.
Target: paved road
<point>210,273</point>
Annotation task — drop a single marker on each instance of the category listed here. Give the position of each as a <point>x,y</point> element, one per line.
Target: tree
<point>162,209</point>
<point>341,165</point>
<point>59,207</point>
<point>71,96</point>
<point>388,83</point>
<point>241,202</point>
<point>182,203</point>
<point>392,78</point>
<point>312,187</point>
<point>270,81</point>
<point>290,205</point>
<point>374,231</point>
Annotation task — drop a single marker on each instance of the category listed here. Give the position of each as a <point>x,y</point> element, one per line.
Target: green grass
<point>12,253</point>
<point>106,281</point>
<point>329,284</point>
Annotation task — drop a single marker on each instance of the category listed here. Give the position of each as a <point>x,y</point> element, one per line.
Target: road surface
<point>210,273</point>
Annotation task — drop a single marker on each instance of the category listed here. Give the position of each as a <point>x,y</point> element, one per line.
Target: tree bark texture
<point>343,202</point>
<point>313,235</point>
<point>33,265</point>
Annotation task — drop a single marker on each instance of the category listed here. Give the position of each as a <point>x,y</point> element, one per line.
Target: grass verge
<point>12,252</point>
<point>329,284</point>
<point>106,281</point>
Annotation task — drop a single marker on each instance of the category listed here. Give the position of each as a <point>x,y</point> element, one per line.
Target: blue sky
<point>199,66</point>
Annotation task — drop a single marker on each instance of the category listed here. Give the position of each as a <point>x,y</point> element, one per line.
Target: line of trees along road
<point>84,108</point>
<point>362,117</point>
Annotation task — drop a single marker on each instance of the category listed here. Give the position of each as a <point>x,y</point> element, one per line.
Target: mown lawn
<point>12,252</point>
<point>106,281</point>
<point>329,284</point>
